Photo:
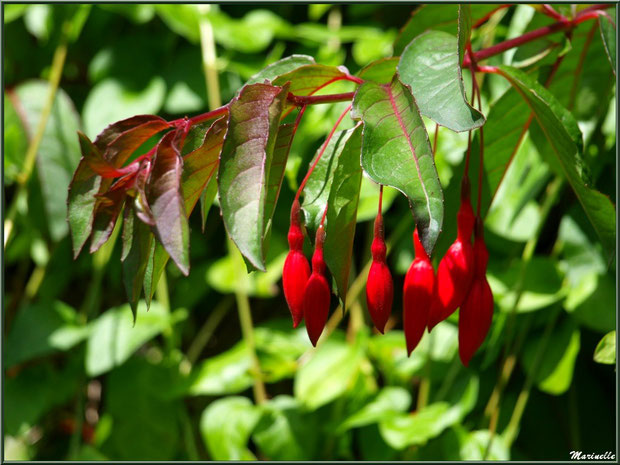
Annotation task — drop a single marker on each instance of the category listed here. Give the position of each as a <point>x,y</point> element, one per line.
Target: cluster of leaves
<point>350,398</point>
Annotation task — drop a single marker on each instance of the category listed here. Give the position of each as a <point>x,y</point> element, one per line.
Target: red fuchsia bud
<point>418,295</point>
<point>379,286</point>
<point>317,294</point>
<point>455,271</point>
<point>476,311</point>
<point>296,270</point>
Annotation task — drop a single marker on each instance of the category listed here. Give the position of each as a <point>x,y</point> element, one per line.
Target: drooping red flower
<point>418,295</point>
<point>456,269</point>
<point>379,286</point>
<point>317,294</point>
<point>476,312</point>
<point>296,270</point>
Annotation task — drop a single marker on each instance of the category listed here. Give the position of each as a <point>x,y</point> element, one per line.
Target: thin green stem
<point>247,326</point>
<point>425,383</point>
<point>492,408</point>
<point>58,63</point>
<point>208,328</point>
<point>209,58</point>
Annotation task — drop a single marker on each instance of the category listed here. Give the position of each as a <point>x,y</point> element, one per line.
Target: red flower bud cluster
<point>307,294</point>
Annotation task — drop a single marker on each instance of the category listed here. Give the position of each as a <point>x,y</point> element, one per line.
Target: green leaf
<point>403,430</point>
<point>280,67</point>
<point>551,363</point>
<point>286,431</point>
<point>387,402</point>
<point>564,137</point>
<point>226,373</point>
<point>342,212</point>
<point>31,399</point>
<point>605,351</point>
<point>474,446</point>
<point>245,164</point>
<point>226,426</point>
<point>380,71</point>
<point>40,329</point>
<point>542,285</point>
<point>137,406</point>
<point>181,19</point>
<point>396,152</point>
<point>114,337</point>
<point>158,258</point>
<point>328,374</point>
<point>15,137</point>
<point>335,181</point>
<point>58,154</point>
<point>138,243</point>
<point>435,17</point>
<point>464,29</point>
<point>608,34</point>
<point>430,66</point>
<point>165,198</point>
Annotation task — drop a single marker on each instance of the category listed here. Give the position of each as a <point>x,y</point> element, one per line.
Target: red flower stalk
<point>419,293</point>
<point>379,286</point>
<point>317,293</point>
<point>296,270</point>
<point>456,269</point>
<point>476,311</point>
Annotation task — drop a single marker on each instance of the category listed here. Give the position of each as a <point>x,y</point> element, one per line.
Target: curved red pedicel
<point>418,295</point>
<point>476,312</point>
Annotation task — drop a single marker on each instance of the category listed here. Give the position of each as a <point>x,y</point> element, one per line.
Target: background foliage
<point>81,382</point>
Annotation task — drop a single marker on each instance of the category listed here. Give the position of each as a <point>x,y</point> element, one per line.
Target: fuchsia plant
<point>239,152</point>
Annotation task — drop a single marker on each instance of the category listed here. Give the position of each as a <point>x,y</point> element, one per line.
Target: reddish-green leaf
<point>245,165</point>
<point>200,164</point>
<point>309,79</point>
<point>396,152</point>
<point>81,200</point>
<point>165,199</point>
<point>106,213</point>
<point>278,165</point>
<point>119,140</point>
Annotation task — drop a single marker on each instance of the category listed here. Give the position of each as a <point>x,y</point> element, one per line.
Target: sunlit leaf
<point>605,351</point>
<point>396,152</point>
<point>280,67</point>
<point>430,66</point>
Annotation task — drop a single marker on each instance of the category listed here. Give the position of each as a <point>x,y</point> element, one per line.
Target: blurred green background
<point>81,383</point>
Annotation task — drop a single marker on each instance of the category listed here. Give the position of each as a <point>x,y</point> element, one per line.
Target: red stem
<point>303,183</point>
<point>300,100</point>
<point>548,10</point>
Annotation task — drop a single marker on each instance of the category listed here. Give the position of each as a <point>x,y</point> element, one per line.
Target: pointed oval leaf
<point>336,181</point>
<point>165,199</point>
<point>81,201</point>
<point>200,164</point>
<point>430,65</point>
<point>396,152</point>
<point>245,164</point>
<point>119,140</point>
<point>564,137</point>
<point>137,253</point>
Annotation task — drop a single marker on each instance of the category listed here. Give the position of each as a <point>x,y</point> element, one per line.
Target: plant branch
<point>584,15</point>
<point>300,100</point>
